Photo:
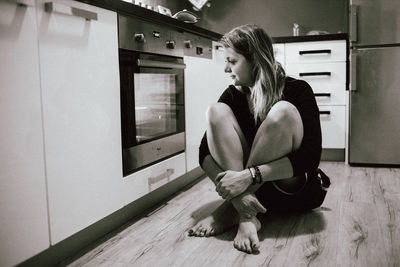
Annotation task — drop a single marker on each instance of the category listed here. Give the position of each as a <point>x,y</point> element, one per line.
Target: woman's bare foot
<point>223,218</point>
<point>246,238</point>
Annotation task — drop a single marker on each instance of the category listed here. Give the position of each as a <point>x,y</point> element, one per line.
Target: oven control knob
<point>170,44</point>
<point>139,37</point>
<point>188,44</point>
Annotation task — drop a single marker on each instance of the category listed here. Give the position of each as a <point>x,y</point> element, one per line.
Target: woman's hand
<point>247,205</point>
<point>232,183</point>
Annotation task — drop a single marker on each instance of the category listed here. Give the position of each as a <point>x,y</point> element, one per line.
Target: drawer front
<point>309,52</point>
<point>328,80</point>
<point>333,125</point>
<point>166,171</point>
<point>279,52</point>
<point>144,181</point>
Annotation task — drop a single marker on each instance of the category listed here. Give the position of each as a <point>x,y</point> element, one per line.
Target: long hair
<point>255,45</point>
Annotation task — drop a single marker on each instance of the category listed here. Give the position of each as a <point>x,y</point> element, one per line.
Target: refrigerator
<point>374,109</point>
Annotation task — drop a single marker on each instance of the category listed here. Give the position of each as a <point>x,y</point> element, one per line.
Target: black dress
<point>298,92</point>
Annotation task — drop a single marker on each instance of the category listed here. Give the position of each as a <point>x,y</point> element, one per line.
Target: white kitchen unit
<point>205,81</point>
<point>144,181</point>
<point>279,52</point>
<point>81,113</point>
<point>323,65</point>
<point>24,227</point>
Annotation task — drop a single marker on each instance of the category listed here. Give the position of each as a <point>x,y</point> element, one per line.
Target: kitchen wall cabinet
<point>80,92</point>
<point>24,227</point>
<point>205,81</point>
<point>323,65</point>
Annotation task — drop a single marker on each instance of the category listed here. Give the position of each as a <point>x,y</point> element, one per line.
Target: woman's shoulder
<point>296,87</point>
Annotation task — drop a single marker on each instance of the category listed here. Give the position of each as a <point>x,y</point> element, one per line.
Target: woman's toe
<point>247,246</point>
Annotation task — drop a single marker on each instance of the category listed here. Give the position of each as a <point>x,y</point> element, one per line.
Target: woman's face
<point>238,67</point>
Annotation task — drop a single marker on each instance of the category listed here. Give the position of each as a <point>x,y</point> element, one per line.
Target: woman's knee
<point>217,112</point>
<point>285,118</point>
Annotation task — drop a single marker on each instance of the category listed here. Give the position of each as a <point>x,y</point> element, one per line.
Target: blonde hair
<point>255,45</point>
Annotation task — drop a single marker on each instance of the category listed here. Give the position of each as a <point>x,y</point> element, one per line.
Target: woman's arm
<point>211,168</point>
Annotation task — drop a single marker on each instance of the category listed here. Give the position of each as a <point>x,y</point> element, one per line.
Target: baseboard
<point>97,232</point>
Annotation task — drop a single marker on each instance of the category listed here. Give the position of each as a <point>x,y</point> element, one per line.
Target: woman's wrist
<point>255,175</point>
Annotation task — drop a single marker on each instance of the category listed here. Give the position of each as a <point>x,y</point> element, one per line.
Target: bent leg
<point>278,135</point>
<point>225,139</point>
<point>228,149</point>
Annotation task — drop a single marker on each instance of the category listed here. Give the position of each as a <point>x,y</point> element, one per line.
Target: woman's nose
<point>227,68</point>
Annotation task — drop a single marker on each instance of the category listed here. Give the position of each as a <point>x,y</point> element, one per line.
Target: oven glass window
<point>156,107</point>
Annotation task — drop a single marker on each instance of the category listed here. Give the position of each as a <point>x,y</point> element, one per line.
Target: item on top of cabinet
<point>198,4</point>
<point>296,29</point>
<point>164,10</point>
<point>316,32</point>
<point>186,16</point>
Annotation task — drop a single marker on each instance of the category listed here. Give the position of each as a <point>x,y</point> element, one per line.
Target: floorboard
<point>357,225</point>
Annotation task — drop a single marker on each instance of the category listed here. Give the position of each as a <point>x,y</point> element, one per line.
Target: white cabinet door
<point>80,83</point>
<point>333,126</point>
<point>279,52</point>
<point>205,81</point>
<point>24,226</point>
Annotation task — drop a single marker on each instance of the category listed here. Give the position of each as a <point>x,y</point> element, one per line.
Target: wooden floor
<point>357,225</point>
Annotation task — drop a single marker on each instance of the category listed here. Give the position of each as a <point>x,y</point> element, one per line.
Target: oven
<point>152,93</point>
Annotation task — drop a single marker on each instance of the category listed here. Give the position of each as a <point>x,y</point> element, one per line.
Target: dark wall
<point>276,16</point>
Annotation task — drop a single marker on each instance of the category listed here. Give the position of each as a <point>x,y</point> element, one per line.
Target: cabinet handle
<point>328,73</point>
<point>353,72</point>
<point>159,64</point>
<point>322,51</point>
<point>322,95</point>
<point>325,112</point>
<point>69,10</point>
<point>353,23</point>
<point>156,179</point>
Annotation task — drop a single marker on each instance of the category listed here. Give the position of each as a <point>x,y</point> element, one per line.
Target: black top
<point>300,94</point>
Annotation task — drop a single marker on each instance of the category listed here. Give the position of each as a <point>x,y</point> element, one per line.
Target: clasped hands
<point>232,185</point>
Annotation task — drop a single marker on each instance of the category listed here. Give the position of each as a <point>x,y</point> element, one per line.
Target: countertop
<point>130,9</point>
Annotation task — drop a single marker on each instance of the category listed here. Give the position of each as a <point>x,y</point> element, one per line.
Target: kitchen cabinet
<point>24,228</point>
<point>323,65</point>
<point>205,81</point>
<point>81,114</point>
<point>279,53</point>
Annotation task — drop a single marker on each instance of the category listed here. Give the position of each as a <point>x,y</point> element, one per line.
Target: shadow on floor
<point>274,224</point>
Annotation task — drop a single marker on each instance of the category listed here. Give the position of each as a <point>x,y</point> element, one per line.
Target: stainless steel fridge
<point>374,132</point>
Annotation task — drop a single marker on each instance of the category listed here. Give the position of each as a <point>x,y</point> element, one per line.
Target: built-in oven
<point>152,93</point>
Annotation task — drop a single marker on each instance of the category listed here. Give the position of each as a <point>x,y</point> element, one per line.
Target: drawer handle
<point>307,52</point>
<point>156,179</point>
<point>322,95</point>
<point>328,73</point>
<point>159,64</point>
<point>325,112</point>
<point>68,10</point>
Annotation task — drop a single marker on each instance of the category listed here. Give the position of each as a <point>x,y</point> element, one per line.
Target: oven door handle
<point>159,64</point>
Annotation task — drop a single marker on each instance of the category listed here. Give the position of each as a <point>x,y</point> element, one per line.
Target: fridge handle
<point>353,23</point>
<point>353,72</point>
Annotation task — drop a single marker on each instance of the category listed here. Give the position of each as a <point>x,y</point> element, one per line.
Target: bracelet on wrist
<point>258,176</point>
<point>253,175</point>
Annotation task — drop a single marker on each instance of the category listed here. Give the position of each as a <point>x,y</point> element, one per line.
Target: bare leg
<point>225,139</point>
<point>279,134</point>
<point>228,149</point>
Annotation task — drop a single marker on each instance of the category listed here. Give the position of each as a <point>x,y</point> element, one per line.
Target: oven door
<point>152,108</point>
